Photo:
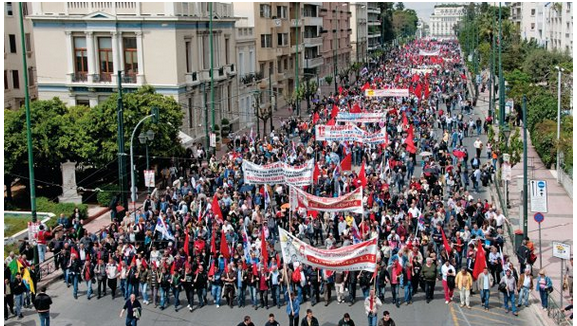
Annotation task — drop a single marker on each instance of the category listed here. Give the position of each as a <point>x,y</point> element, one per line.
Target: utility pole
<point>28,123</point>
<point>211,68</point>
<point>501,77</point>
<point>336,41</point>
<point>271,97</point>
<point>559,69</point>
<point>525,195</point>
<point>122,179</point>
<point>203,90</point>
<point>492,73</point>
<point>297,100</point>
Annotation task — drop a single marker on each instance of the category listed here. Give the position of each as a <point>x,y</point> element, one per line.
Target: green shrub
<point>544,138</point>
<point>43,204</point>
<point>105,196</point>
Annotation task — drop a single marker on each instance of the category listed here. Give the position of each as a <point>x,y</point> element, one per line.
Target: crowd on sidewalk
<point>209,233</point>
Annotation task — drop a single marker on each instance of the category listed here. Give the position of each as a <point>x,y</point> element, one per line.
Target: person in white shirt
<point>112,275</point>
<point>372,304</point>
<point>500,219</point>
<point>448,270</point>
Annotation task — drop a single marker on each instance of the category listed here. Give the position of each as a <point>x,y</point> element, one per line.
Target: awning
<point>185,139</point>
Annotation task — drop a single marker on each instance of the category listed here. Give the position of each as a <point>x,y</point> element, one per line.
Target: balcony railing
<point>129,78</point>
<point>103,77</point>
<point>248,79</point>
<point>79,77</point>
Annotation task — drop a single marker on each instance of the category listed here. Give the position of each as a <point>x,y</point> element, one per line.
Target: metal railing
<point>557,313</point>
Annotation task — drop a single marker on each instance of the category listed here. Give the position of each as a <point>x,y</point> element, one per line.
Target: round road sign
<point>539,217</point>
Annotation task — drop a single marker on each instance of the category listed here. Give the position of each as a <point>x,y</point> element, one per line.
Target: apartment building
<point>445,19</point>
<point>359,34</point>
<point>13,66</point>
<point>283,30</point>
<point>373,26</point>
<point>248,81</point>
<point>550,24</point>
<point>336,49</point>
<point>164,44</point>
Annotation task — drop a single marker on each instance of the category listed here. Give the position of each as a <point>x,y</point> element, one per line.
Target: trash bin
<point>518,239</point>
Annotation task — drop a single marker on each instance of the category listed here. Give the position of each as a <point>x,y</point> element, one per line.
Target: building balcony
<point>313,41</point>
<point>192,78</point>
<point>230,70</point>
<point>300,22</point>
<point>372,10</point>
<point>294,48</point>
<point>314,62</point>
<point>79,77</point>
<point>104,77</point>
<point>313,21</point>
<point>129,79</point>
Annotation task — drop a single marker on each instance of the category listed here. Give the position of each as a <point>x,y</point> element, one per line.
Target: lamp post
<point>144,138</point>
<point>501,79</point>
<point>525,195</point>
<point>559,71</point>
<point>154,115</point>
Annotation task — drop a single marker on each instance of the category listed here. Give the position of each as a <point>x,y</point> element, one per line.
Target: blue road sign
<point>539,217</point>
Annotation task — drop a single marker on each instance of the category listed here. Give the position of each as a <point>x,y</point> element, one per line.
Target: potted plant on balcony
<point>225,131</point>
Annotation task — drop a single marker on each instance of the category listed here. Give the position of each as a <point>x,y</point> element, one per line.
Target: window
<point>532,26</point>
<point>83,102</point>
<point>266,40</point>
<point>24,8</point>
<point>80,59</point>
<point>226,50</point>
<point>532,12</point>
<point>15,79</point>
<point>205,53</point>
<point>30,76</point>
<point>240,63</point>
<point>12,40</point>
<point>282,39</point>
<point>27,42</point>
<point>9,10</point>
<point>190,114</point>
<point>5,79</point>
<point>187,55</point>
<point>130,56</point>
<point>105,58</point>
<point>265,11</point>
<point>281,12</point>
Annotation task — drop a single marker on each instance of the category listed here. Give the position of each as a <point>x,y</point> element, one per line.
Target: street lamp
<point>559,71</point>
<point>144,138</point>
<point>153,115</point>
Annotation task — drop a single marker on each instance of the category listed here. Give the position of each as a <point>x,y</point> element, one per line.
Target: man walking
<point>18,289</point>
<point>293,309</point>
<point>429,274</point>
<point>134,309</point>
<point>510,291</point>
<point>42,304</point>
<point>386,320</point>
<point>372,304</point>
<point>346,321</point>
<point>309,319</point>
<point>525,286</point>
<point>464,282</point>
<point>484,282</point>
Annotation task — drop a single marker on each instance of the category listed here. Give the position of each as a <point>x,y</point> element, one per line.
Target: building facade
<point>359,34</point>
<point>336,48</point>
<point>547,23</point>
<point>246,60</point>
<point>445,20</point>
<point>285,32</point>
<point>166,45</point>
<point>13,66</point>
<point>373,26</point>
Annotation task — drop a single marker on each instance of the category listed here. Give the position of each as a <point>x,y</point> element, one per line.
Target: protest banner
<point>357,257</point>
<point>278,172</point>
<point>351,202</point>
<point>348,133</point>
<point>429,53</point>
<point>373,117</point>
<point>392,92</point>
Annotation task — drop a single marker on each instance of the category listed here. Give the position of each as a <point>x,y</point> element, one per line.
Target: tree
<point>540,64</point>
<point>400,6</point>
<point>542,106</point>
<point>387,31</point>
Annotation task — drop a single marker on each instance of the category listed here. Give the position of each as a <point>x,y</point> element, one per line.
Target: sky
<point>423,9</point>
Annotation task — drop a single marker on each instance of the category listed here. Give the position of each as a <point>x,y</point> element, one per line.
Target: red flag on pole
<point>365,87</point>
<point>277,260</point>
<point>418,90</point>
<point>405,120</point>
<point>334,111</point>
<point>216,209</point>
<point>331,122</point>
<point>356,108</point>
<point>264,250</point>
<point>211,269</point>
<point>316,173</point>
<point>445,242</point>
<point>224,246</point>
<point>315,117</point>
<point>213,243</point>
<point>186,243</point>
<point>173,268</point>
<point>74,252</point>
<point>363,176</point>
<point>347,162</point>
<point>480,261</point>
<point>340,90</point>
<point>410,142</point>
<point>132,262</point>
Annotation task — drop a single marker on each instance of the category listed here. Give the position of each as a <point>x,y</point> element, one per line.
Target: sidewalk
<point>558,224</point>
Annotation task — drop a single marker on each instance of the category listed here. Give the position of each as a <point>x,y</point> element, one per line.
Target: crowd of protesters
<point>204,231</point>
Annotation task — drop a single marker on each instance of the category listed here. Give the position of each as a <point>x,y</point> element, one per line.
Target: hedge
<point>105,196</point>
<point>43,204</point>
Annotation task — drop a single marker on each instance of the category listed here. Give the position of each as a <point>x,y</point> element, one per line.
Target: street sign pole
<point>539,218</point>
<point>561,285</point>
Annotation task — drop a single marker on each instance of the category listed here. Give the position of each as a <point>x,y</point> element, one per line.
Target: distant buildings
<point>13,66</point>
<point>445,19</point>
<point>359,35</point>
<point>336,48</point>
<point>374,26</point>
<point>550,24</point>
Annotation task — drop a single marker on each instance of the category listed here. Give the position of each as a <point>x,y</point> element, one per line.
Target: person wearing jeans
<point>510,291</point>
<point>18,289</point>
<point>42,304</point>
<point>544,284</point>
<point>407,283</point>
<point>525,285</point>
<point>87,275</point>
<point>216,290</point>
<point>372,304</point>
<point>143,283</point>
<point>484,283</point>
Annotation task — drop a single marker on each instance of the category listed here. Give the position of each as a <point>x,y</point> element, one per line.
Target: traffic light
<point>155,114</point>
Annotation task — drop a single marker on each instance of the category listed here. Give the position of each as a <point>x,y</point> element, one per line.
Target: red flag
<point>445,242</point>
<point>314,214</point>
<point>216,209</point>
<point>418,90</point>
<point>480,261</point>
<point>346,163</point>
<point>173,268</point>
<point>277,260</point>
<point>316,173</point>
<point>415,78</point>
<point>365,87</point>
<point>211,269</point>
<point>363,176</point>
<point>405,120</point>
<point>213,243</point>
<point>132,262</point>
<point>264,250</point>
<point>340,90</point>
<point>186,243</point>
<point>331,122</point>
<point>334,111</point>
<point>143,263</point>
<point>410,142</point>
<point>226,265</point>
<point>356,108</point>
<point>74,252</point>
<point>224,246</point>
<point>315,117</point>
<point>244,264</point>
<point>427,91</point>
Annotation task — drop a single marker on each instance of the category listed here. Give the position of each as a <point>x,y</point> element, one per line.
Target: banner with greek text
<point>357,257</point>
<point>372,117</point>
<point>278,172</point>
<point>429,53</point>
<point>351,202</point>
<point>348,132</point>
<point>393,92</point>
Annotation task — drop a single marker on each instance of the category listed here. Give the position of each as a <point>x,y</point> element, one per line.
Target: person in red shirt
<point>42,239</point>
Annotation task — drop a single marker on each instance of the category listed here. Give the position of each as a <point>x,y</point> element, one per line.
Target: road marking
<point>462,314</point>
<point>455,320</point>
<point>494,313</point>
